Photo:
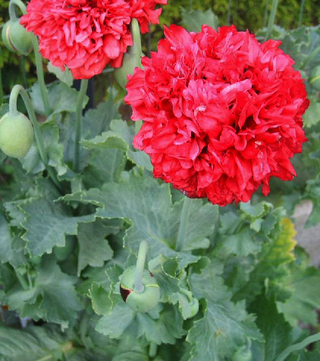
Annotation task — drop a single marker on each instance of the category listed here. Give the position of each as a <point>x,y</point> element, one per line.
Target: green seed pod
<point>132,58</point>
<point>16,135</point>
<point>144,301</point>
<point>315,78</point>
<point>16,38</point>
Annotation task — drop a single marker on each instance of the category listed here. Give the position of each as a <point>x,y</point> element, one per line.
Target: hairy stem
<point>81,95</point>
<point>143,249</point>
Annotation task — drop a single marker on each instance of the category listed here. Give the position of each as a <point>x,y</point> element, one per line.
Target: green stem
<point>190,5</point>
<point>23,70</point>
<point>143,249</point>
<point>301,13</point>
<point>12,11</point>
<point>81,95</point>
<point>229,12</point>
<point>272,18</point>
<point>298,346</point>
<point>153,349</point>
<point>40,76</point>
<point>19,90</point>
<point>265,18</point>
<point>186,207</point>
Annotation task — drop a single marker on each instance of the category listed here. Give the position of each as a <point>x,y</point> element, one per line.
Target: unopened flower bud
<point>16,38</point>
<point>16,135</point>
<point>147,299</point>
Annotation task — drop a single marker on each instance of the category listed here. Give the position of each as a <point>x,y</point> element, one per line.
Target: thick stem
<point>153,349</point>
<point>143,249</point>
<point>81,95</point>
<point>183,223</point>
<point>40,76</point>
<point>19,90</point>
<point>301,13</point>
<point>272,18</point>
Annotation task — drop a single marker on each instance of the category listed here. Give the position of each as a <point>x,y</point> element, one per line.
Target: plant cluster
<point>100,260</point>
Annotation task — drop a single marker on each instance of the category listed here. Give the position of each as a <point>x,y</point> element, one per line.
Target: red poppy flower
<point>86,35</point>
<point>222,113</point>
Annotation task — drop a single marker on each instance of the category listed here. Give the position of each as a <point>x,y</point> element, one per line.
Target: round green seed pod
<point>16,38</point>
<point>315,78</point>
<point>16,135</point>
<point>144,301</point>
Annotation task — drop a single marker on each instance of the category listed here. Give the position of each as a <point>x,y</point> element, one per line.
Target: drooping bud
<point>147,299</point>
<point>16,135</point>
<point>132,58</point>
<point>16,38</point>
<point>315,78</point>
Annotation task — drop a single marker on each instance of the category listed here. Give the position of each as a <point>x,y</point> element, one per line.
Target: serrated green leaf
<point>305,298</point>
<point>148,208</point>
<point>120,136</point>
<point>271,261</point>
<point>94,249</point>
<point>277,332</point>
<point>12,249</point>
<point>312,115</point>
<point>242,243</point>
<point>194,19</point>
<point>105,165</point>
<point>101,302</point>
<point>123,320</point>
<point>116,321</point>
<point>30,344</point>
<point>63,75</point>
<point>225,325</point>
<point>47,223</point>
<point>51,298</point>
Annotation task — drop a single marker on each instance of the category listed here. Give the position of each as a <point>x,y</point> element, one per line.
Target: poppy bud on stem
<point>15,114</point>
<point>138,287</point>
<point>17,38</point>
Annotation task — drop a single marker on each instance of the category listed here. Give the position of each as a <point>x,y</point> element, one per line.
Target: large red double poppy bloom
<point>86,35</point>
<point>222,113</point>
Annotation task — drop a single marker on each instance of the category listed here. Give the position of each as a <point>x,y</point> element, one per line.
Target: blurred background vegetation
<point>245,14</point>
